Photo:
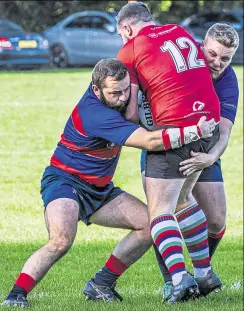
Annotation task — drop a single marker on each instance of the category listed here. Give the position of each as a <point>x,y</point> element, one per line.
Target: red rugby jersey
<point>169,67</point>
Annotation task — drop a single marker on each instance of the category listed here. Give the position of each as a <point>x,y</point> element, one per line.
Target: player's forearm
<point>172,138</point>
<point>132,113</point>
<point>225,127</point>
<point>219,148</point>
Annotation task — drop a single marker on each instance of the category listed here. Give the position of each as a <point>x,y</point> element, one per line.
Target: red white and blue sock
<point>193,225</point>
<point>167,238</point>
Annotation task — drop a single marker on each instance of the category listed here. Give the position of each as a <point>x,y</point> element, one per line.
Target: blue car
<point>20,48</point>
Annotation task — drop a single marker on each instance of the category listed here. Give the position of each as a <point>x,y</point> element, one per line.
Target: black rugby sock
<point>213,241</point>
<point>161,264</point>
<point>105,277</point>
<point>213,244</point>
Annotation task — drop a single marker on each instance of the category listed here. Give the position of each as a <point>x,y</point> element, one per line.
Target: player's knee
<point>143,227</point>
<point>147,232</point>
<point>60,245</point>
<point>216,225</point>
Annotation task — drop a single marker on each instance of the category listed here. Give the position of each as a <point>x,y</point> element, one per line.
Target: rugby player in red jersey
<point>168,66</point>
<point>219,46</point>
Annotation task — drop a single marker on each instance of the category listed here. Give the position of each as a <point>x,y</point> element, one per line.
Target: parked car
<point>198,24</point>
<point>83,38</point>
<point>18,47</point>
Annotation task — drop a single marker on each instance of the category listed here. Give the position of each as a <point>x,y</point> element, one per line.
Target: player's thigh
<point>61,216</point>
<point>125,211</point>
<point>143,178</point>
<point>211,198</point>
<point>162,195</point>
<point>186,196</point>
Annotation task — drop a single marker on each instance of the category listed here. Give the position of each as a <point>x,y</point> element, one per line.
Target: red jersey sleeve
<point>126,56</point>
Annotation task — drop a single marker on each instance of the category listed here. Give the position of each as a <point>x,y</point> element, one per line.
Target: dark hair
<point>135,13</point>
<point>110,67</point>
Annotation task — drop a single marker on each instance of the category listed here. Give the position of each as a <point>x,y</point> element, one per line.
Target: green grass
<point>33,109</point>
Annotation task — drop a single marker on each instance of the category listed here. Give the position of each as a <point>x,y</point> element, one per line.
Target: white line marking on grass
<point>237,285</point>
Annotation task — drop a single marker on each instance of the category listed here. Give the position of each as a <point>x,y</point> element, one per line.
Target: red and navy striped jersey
<point>92,139</point>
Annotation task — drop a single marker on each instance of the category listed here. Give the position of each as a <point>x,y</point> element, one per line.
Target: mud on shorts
<point>56,184</point>
<point>165,164</point>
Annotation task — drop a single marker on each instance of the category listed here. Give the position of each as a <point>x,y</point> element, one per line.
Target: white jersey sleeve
<point>145,113</point>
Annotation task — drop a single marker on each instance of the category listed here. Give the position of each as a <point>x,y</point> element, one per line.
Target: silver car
<point>83,38</point>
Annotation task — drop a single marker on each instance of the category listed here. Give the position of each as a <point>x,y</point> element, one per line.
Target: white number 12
<point>178,58</point>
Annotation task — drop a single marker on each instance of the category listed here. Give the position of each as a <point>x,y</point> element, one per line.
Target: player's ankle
<point>201,273</point>
<point>177,278</point>
<point>17,290</point>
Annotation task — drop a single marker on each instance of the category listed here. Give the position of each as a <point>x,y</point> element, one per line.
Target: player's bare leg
<point>162,196</point>
<point>126,212</point>
<point>211,197</point>
<point>61,217</point>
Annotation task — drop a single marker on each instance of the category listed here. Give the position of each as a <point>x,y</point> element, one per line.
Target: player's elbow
<point>151,144</point>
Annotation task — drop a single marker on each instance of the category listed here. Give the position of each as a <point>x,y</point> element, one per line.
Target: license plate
<point>27,44</point>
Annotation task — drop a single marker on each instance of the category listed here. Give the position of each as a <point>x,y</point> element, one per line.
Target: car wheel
<point>59,57</point>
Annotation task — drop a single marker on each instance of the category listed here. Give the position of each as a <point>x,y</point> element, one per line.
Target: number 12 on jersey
<point>180,63</point>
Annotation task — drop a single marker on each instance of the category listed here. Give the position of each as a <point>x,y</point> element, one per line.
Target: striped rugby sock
<point>167,238</point>
<point>193,225</point>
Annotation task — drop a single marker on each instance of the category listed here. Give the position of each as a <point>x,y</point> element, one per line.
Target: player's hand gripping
<point>206,127</point>
<point>197,162</point>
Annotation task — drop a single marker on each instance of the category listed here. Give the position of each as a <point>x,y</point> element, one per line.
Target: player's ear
<point>96,90</point>
<point>202,45</point>
<point>128,30</point>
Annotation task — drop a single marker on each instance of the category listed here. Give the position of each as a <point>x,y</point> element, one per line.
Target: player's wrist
<point>176,137</point>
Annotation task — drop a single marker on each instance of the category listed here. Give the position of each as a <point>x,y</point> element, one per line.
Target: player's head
<point>131,19</point>
<point>219,46</point>
<point>111,84</point>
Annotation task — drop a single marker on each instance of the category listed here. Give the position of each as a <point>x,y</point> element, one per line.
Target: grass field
<point>33,109</point>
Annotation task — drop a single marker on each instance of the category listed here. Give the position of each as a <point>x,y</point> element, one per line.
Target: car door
<point>103,40</point>
<point>75,38</point>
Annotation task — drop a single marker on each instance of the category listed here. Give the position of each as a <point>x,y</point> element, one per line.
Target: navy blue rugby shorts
<point>56,184</point>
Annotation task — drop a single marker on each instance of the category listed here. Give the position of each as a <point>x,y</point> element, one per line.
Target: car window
<point>195,23</point>
<point>98,22</point>
<point>206,20</point>
<point>80,22</point>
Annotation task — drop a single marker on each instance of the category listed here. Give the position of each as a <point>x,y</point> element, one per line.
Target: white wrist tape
<point>176,137</point>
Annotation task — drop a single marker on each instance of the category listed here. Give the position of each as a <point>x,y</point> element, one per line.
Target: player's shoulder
<point>228,79</point>
<point>88,100</point>
<point>125,51</point>
<point>228,75</point>
<point>90,107</point>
